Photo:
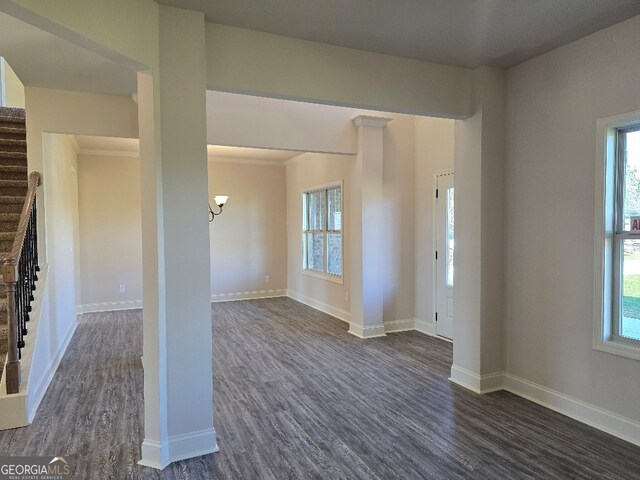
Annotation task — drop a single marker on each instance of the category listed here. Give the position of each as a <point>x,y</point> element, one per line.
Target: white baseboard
<point>487,383</point>
<point>229,297</point>
<point>318,305</point>
<point>109,306</point>
<point>612,423</point>
<point>178,447</point>
<point>427,328</point>
<point>400,325</point>
<point>370,331</point>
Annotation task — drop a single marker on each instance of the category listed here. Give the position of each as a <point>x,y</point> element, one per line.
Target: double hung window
<point>322,231</point>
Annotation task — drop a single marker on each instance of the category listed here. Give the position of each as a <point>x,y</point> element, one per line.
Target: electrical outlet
<point>267,279</point>
<point>346,296</point>
<point>123,288</point>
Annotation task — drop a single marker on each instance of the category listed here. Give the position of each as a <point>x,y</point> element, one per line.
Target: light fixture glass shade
<point>220,200</point>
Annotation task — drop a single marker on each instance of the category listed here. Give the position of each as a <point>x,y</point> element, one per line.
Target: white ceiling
<point>31,51</point>
<point>467,33</point>
<point>130,147</point>
<point>457,32</point>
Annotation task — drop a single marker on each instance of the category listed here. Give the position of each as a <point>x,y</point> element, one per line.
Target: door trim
<point>434,230</point>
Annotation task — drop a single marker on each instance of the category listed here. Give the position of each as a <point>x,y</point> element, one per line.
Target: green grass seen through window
<point>631,298</point>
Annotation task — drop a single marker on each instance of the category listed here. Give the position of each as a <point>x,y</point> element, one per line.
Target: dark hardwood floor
<point>297,397</point>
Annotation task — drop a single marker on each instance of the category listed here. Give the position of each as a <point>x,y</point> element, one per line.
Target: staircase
<point>13,189</point>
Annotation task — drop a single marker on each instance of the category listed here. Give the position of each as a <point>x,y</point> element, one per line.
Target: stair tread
<point>14,183</point>
<point>12,115</point>
<point>13,141</point>
<point>13,129</point>
<point>10,154</point>
<point>14,168</point>
<point>11,199</point>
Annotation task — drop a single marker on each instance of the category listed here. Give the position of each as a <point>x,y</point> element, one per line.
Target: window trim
<point>324,275</point>
<point>607,278</point>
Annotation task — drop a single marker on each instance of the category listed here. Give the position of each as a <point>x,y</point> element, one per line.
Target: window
<point>626,243</point>
<point>322,232</point>
<point>617,295</point>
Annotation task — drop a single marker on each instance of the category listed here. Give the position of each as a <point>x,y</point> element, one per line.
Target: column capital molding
<point>370,121</point>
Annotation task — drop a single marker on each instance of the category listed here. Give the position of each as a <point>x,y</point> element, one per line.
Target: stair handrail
<point>19,272</point>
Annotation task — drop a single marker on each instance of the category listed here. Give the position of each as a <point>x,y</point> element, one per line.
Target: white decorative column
<point>178,377</point>
<point>367,216</point>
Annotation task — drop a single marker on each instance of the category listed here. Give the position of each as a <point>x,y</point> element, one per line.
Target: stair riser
<point>11,207</point>
<point>14,146</point>
<point>6,245</point>
<point>12,122</point>
<point>13,137</point>
<point>19,173</point>
<point>13,191</point>
<point>9,225</point>
<point>13,131</point>
<point>13,158</point>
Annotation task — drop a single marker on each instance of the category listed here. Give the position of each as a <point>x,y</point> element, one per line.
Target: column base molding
<point>370,331</point>
<point>159,455</point>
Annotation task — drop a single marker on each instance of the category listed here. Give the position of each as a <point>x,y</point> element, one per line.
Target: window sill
<point>324,276</point>
<point>621,348</point>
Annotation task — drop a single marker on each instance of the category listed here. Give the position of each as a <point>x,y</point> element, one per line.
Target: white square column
<point>178,377</point>
<point>367,215</point>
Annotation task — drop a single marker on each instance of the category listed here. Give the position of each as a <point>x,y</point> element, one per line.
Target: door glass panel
<point>630,321</point>
<point>450,236</point>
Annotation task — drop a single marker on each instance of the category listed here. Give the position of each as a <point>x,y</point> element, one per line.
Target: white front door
<point>444,255</point>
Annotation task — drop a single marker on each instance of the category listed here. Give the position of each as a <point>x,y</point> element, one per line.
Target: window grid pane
<point>334,253</point>
<point>630,318</point>
<point>316,208</point>
<point>334,202</point>
<point>631,203</point>
<point>315,251</point>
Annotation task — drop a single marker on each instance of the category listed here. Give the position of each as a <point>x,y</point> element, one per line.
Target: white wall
<point>398,266</point>
<point>61,219</point>
<point>246,121</point>
<point>247,242</point>
<point>246,61</point>
<point>398,210</point>
<point>304,172</point>
<point>57,316</point>
<point>249,239</point>
<point>58,111</point>
<point>12,89</point>
<point>553,102</point>
<point>110,232</point>
<point>433,153</point>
